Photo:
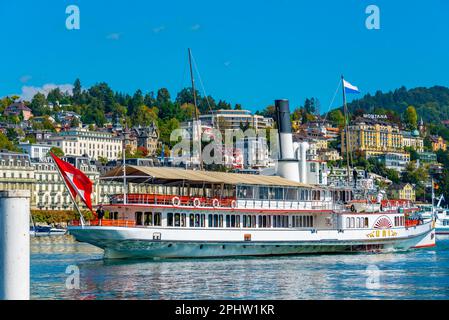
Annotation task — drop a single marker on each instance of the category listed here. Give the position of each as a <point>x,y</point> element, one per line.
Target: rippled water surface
<point>417,274</point>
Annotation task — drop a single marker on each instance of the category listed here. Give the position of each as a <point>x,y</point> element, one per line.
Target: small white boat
<point>43,231</point>
<point>442,221</point>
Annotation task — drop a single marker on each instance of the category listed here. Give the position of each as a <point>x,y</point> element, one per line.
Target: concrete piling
<point>15,245</point>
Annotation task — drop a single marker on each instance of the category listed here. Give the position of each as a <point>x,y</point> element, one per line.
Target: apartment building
<point>82,142</point>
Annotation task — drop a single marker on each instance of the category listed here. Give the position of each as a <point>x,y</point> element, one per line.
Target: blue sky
<point>248,52</point>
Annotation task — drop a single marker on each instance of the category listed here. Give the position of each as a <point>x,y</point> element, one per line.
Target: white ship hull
<point>119,242</point>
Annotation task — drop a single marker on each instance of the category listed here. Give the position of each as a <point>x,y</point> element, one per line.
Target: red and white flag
<point>77,182</point>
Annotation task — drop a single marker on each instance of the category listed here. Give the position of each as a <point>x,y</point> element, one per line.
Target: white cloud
<point>28,92</point>
<point>195,27</point>
<point>158,29</point>
<point>25,78</point>
<point>114,36</point>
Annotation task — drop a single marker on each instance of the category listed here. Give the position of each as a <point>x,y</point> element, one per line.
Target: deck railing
<point>162,199</point>
<point>106,223</point>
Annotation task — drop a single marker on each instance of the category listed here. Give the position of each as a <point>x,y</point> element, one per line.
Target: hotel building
<point>94,144</point>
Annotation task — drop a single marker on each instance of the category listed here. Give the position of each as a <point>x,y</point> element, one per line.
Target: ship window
<point>244,221</point>
<point>268,221</point>
<point>220,221</point>
<point>157,219</point>
<point>197,220</point>
<point>311,221</point>
<point>215,220</point>
<point>228,221</point>
<point>352,223</point>
<point>177,219</point>
<point>170,219</point>
<point>209,221</point>
<point>263,193</point>
<point>148,219</point>
<point>191,220</point>
<point>138,218</point>
<point>245,192</point>
<point>183,220</point>
<point>264,221</point>
<point>237,221</point>
<point>232,221</point>
<point>291,194</point>
<point>260,221</point>
<point>285,221</point>
<point>348,222</point>
<point>277,193</point>
<point>366,223</point>
<point>203,218</point>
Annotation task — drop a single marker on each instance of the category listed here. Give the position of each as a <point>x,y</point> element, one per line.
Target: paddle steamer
<point>181,213</point>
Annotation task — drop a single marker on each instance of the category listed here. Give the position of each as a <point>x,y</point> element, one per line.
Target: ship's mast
<point>192,78</point>
<point>346,128</point>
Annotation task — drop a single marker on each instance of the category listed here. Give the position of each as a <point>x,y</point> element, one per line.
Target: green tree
<point>163,97</point>
<point>166,128</point>
<point>5,143</point>
<point>411,117</point>
<point>144,116</point>
<point>55,95</point>
<point>77,92</point>
<point>337,117</point>
<point>39,105</point>
<point>57,151</point>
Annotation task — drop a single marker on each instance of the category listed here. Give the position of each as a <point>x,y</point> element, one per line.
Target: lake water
<point>417,274</point>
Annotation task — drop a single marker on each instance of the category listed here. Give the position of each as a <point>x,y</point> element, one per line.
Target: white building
<point>37,151</point>
<point>94,144</point>
<point>233,119</point>
<point>254,152</point>
<point>50,193</point>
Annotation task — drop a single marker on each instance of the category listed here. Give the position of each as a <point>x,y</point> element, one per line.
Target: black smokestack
<point>283,116</point>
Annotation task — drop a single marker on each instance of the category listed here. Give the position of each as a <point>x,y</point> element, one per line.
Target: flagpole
<point>124,169</point>
<point>71,195</point>
<point>346,126</point>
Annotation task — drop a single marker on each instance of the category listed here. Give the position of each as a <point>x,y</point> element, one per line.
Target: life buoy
<point>176,201</point>
<point>233,204</point>
<point>215,203</point>
<point>196,202</point>
<point>352,208</point>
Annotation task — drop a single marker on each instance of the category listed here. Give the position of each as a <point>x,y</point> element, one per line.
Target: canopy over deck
<point>164,175</point>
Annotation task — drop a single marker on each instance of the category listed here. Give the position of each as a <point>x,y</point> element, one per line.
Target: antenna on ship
<point>196,110</point>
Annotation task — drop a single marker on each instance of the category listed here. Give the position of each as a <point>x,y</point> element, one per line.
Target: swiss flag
<point>77,182</point>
